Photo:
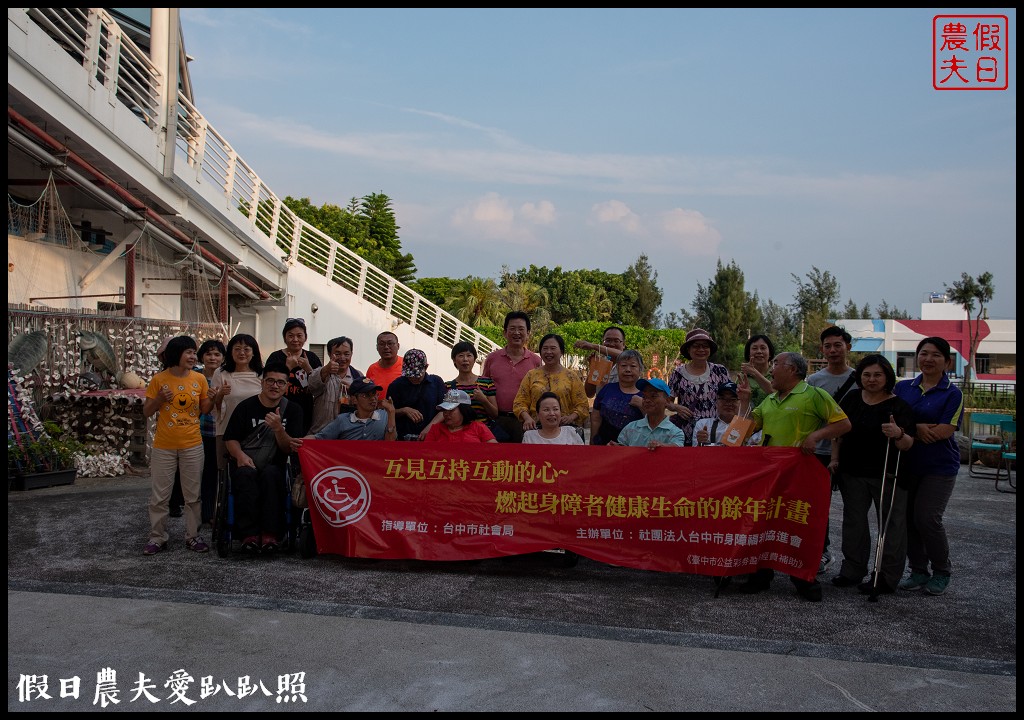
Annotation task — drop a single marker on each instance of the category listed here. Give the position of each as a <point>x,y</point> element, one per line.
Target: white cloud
<point>541,213</point>
<point>492,218</point>
<point>690,231</point>
<point>618,213</point>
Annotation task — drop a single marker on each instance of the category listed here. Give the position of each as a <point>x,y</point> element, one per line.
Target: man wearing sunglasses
<point>260,436</point>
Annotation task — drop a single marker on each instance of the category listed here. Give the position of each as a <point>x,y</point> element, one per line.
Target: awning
<point>867,344</point>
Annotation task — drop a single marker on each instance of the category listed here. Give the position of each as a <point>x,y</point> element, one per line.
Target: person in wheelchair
<point>372,419</point>
<point>261,433</point>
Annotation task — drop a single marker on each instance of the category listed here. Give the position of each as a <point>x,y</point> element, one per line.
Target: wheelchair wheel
<point>221,534</point>
<point>307,543</point>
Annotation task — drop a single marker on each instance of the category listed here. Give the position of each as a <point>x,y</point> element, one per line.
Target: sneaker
<point>251,544</point>
<point>152,548</point>
<point>916,581</point>
<point>197,544</point>
<point>826,560</point>
<point>937,584</point>
<point>842,581</point>
<point>270,544</point>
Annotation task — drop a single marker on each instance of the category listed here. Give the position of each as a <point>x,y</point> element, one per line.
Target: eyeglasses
<point>274,382</point>
<point>386,343</point>
<point>245,350</point>
<point>300,321</point>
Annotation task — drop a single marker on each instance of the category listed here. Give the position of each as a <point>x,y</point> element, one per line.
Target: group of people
<point>885,444</point>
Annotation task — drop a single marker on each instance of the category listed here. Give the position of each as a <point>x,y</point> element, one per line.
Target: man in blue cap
<point>654,429</point>
<point>709,431</point>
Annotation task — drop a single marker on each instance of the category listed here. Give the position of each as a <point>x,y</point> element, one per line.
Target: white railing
<point>94,39</point>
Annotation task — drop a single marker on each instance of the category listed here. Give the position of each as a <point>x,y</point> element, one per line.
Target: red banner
<point>705,510</point>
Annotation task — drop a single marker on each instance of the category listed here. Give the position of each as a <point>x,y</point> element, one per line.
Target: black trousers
<point>259,500</point>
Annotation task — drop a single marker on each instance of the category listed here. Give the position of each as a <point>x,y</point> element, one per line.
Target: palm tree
<point>477,302</point>
<point>966,291</point>
<point>528,297</point>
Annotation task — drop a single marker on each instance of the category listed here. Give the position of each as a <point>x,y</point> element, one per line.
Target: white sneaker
<point>826,560</point>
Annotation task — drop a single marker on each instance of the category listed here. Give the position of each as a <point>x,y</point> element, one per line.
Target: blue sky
<point>779,139</point>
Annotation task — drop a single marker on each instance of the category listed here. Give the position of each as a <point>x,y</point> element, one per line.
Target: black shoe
<point>843,581</point>
<point>755,585</point>
<point>810,593</point>
<point>884,588</point>
<point>176,511</point>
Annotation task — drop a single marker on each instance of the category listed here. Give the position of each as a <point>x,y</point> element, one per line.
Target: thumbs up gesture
<point>891,429</point>
<point>273,419</point>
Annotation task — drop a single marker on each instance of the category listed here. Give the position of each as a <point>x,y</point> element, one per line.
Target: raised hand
<point>273,419</point>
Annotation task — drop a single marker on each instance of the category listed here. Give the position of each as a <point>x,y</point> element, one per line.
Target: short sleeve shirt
<point>787,422</point>
<point>638,433</point>
<point>940,405</point>
<point>177,424</point>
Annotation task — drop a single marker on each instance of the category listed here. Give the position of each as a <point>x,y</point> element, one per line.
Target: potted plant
<point>46,461</point>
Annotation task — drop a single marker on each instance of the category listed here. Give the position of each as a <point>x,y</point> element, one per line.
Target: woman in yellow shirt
<point>552,376</point>
<point>180,395</point>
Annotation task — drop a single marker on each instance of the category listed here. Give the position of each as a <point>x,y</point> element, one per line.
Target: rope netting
<point>45,219</point>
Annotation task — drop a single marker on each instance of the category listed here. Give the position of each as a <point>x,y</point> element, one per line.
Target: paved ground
<point>513,634</point>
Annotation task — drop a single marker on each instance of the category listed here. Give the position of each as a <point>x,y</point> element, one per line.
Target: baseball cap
<point>363,385</point>
<point>728,387</point>
<point>414,363</point>
<point>454,398</point>
<point>655,383</point>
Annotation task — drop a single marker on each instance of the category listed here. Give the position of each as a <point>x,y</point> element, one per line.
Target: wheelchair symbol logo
<point>341,495</point>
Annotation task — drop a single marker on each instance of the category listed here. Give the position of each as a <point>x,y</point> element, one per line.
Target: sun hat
<point>695,335</point>
<point>414,363</point>
<point>454,398</point>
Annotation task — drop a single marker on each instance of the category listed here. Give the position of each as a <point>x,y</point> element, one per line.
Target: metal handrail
<point>94,39</point>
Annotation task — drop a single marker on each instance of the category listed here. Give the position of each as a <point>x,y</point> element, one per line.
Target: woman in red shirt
<point>457,421</point>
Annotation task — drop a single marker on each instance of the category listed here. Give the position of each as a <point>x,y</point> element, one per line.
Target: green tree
<point>819,292</point>
<point>683,319</point>
<point>382,235</point>
<point>781,325</point>
<point>436,290</point>
<point>647,310</point>
<point>367,227</point>
<point>973,294</point>
<point>814,305</point>
<point>852,312</point>
<point>886,311</point>
<point>525,296</point>
<point>731,312</point>
<point>477,302</point>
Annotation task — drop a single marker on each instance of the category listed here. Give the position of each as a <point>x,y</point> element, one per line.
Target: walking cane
<point>882,529</point>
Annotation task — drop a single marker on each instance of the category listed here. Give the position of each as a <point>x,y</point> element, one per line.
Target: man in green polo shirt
<point>795,415</point>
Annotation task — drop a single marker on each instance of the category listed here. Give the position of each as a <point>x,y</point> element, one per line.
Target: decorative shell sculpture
<point>98,352</point>
<point>27,350</point>
<point>131,381</point>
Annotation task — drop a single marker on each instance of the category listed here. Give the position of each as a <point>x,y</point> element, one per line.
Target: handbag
<point>260,444</point>
<point>738,431</point>
<point>599,370</point>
